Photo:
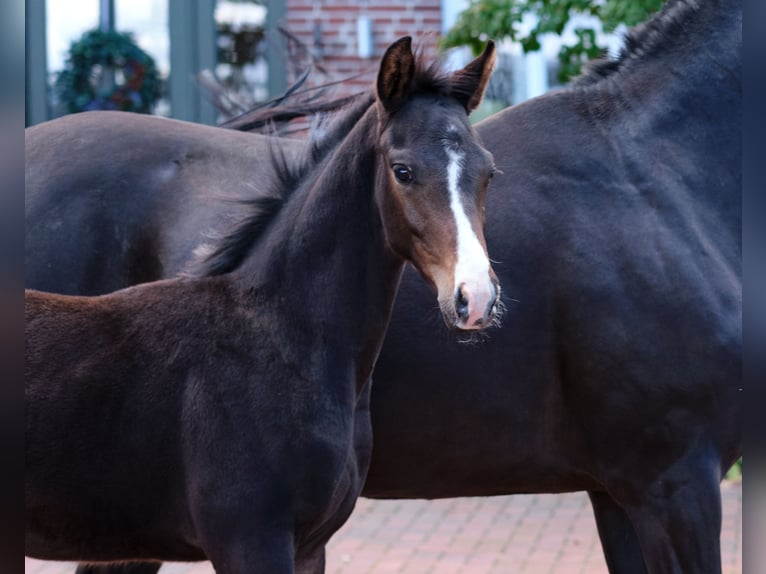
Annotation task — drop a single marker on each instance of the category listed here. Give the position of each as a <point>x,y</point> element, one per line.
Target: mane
<point>261,117</point>
<point>429,78</point>
<point>226,253</point>
<point>433,78</point>
<point>644,41</point>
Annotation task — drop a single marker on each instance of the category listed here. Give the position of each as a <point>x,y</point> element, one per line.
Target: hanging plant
<point>108,71</point>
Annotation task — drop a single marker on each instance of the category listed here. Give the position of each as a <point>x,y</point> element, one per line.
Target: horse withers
<point>222,415</point>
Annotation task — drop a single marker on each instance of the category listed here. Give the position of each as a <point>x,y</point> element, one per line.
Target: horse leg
<point>253,557</point>
<point>314,564</point>
<point>119,568</point>
<point>618,537</point>
<point>678,523</point>
<point>236,544</point>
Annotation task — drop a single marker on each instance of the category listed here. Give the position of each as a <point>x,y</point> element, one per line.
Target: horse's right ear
<point>469,84</point>
<point>397,69</point>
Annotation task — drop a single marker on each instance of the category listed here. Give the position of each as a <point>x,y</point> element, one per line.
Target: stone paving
<point>521,534</point>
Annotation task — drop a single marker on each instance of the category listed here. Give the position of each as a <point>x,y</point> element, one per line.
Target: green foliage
<point>628,12</point>
<point>500,19</point>
<point>735,472</point>
<point>108,71</point>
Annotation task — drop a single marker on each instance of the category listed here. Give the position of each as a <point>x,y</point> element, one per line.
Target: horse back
<point>120,224</point>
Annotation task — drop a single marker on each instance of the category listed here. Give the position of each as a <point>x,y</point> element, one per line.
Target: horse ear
<point>468,85</point>
<point>397,69</point>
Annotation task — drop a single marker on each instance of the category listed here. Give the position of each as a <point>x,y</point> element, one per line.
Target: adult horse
<point>616,226</point>
<point>223,408</point>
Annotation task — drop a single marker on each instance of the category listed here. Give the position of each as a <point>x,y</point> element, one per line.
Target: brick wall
<point>334,24</point>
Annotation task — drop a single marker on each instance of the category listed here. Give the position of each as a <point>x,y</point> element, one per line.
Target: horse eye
<point>402,173</point>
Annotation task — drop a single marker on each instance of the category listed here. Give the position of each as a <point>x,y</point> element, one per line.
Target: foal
<point>215,416</point>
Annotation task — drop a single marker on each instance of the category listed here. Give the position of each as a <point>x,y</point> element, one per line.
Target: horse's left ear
<point>397,69</point>
<point>468,85</point>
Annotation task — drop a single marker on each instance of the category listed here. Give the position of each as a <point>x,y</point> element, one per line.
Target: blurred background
<point>248,51</point>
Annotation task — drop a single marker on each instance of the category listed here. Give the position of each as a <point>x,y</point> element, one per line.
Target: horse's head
<point>435,174</point>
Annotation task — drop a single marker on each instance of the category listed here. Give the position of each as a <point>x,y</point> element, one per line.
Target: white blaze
<point>472,267</point>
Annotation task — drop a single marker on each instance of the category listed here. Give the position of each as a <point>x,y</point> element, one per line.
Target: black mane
<point>643,41</point>
<point>228,251</point>
<point>433,79</point>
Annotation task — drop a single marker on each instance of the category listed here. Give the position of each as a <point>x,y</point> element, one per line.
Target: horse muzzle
<point>474,306</point>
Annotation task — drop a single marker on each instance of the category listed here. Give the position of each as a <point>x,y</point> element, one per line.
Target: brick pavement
<point>522,534</point>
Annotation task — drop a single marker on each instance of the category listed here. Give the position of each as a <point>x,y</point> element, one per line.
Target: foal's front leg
<point>119,568</point>
<point>244,527</point>
<point>315,564</point>
<point>248,549</point>
<point>619,541</point>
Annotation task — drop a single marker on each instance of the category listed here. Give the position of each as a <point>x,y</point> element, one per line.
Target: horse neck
<point>688,54</point>
<point>325,261</point>
<point>680,89</point>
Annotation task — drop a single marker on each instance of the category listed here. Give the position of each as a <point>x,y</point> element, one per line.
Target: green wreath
<point>108,71</point>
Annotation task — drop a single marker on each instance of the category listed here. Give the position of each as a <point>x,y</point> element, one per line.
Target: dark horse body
<point>228,409</point>
<point>176,194</point>
<point>616,227</point>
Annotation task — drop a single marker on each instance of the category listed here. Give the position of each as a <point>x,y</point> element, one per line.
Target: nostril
<point>461,304</point>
